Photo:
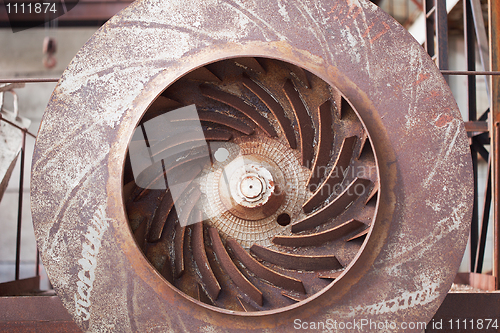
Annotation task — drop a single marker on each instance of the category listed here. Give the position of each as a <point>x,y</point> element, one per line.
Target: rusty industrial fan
<point>227,166</point>
<point>292,187</point>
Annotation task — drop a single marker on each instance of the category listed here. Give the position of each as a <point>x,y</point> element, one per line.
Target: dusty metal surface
<point>401,273</point>
<point>253,185</point>
<point>35,314</point>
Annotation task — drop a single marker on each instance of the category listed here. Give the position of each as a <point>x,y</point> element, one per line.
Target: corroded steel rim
<point>425,196</point>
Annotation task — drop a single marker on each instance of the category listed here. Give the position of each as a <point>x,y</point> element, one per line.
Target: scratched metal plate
<point>405,268</point>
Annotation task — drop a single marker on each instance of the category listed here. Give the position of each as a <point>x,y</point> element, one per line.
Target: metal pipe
<point>429,27</point>
<point>20,207</point>
<point>481,38</point>
<point>45,80</point>
<point>452,72</point>
<point>496,209</point>
<point>37,271</point>
<point>441,19</point>
<point>29,80</point>
<point>494,25</point>
<point>481,246</point>
<point>17,126</point>
<point>470,60</point>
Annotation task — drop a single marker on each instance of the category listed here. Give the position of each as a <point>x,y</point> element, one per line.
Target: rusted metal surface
<point>415,145</point>
<point>252,187</point>
<point>336,207</point>
<point>293,297</point>
<point>262,271</point>
<point>35,314</point>
<point>20,286</point>
<point>275,108</point>
<point>485,219</point>
<point>325,144</point>
<point>482,281</point>
<point>436,25</point>
<point>28,80</point>
<point>47,314</point>
<point>165,207</point>
<point>306,130</point>
<point>233,123</point>
<point>179,250</point>
<point>187,137</point>
<point>202,74</point>
<point>229,267</point>
<point>476,126</point>
<point>358,235</point>
<point>201,259</point>
<point>475,308</point>
<point>334,177</point>
<point>293,261</point>
<point>332,276</point>
<point>470,59</point>
<point>321,237</point>
<point>450,72</point>
<point>238,104</point>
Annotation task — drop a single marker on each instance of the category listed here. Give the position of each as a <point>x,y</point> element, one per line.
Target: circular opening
<point>221,154</point>
<point>229,150</point>
<point>283,219</point>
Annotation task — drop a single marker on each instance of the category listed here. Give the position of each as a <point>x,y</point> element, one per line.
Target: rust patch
<point>443,120</point>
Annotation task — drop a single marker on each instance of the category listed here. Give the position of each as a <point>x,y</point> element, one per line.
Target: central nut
<point>248,189</point>
<point>251,187</point>
<point>250,184</point>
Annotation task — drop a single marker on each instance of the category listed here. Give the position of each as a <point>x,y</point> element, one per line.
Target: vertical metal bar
<point>20,207</point>
<point>470,60</point>
<point>494,24</point>
<point>482,39</point>
<point>496,210</point>
<point>484,223</point>
<point>37,272</point>
<point>441,16</point>
<point>473,237</point>
<point>407,10</point>
<point>429,27</point>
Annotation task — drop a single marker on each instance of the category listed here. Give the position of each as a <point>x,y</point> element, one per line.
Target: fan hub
<point>252,187</point>
<point>248,189</point>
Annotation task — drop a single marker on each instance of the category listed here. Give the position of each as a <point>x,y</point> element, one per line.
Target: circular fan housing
<point>255,83</point>
<point>268,196</point>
